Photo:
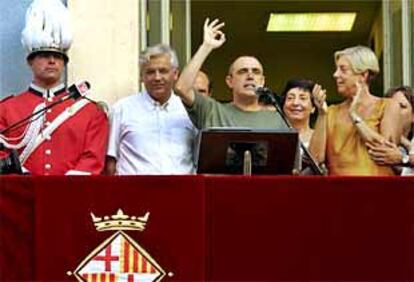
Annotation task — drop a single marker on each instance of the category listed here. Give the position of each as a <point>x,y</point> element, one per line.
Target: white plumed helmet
<point>47,28</point>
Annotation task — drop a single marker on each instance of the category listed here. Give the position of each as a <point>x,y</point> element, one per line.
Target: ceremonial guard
<point>68,138</point>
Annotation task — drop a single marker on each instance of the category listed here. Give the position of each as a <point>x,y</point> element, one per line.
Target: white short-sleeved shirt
<point>149,138</point>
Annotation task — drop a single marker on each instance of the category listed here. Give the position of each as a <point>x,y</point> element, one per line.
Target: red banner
<point>204,228</point>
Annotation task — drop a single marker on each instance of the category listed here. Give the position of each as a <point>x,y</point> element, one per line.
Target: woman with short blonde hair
<point>343,131</point>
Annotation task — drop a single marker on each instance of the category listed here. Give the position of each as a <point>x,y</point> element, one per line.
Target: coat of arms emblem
<point>119,258</point>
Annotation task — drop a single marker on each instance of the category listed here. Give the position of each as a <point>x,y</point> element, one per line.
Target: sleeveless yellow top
<point>346,153</point>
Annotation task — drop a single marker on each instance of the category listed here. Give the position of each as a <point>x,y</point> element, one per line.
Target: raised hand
<point>319,98</point>
<point>356,99</point>
<point>213,36</point>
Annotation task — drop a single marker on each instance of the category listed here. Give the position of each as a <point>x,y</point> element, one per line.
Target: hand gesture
<point>213,36</point>
<point>319,98</point>
<point>386,153</point>
<point>356,99</point>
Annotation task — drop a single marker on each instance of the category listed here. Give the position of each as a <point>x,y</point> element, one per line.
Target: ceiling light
<point>308,22</point>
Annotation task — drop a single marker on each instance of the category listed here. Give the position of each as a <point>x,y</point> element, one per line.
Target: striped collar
<point>47,93</point>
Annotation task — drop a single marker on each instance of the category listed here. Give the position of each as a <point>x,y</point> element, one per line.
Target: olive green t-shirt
<point>207,112</point>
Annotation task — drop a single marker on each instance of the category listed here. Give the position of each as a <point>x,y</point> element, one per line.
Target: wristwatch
<point>405,160</point>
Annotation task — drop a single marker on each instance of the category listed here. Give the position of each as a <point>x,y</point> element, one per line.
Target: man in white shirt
<point>151,132</point>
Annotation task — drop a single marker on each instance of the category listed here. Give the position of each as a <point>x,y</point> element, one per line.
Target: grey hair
<point>157,50</point>
<point>361,59</point>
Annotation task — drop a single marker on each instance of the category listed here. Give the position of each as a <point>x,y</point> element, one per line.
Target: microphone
<point>262,90</point>
<point>267,96</point>
<point>78,90</point>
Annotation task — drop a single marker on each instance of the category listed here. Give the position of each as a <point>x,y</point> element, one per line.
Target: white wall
<point>105,49</point>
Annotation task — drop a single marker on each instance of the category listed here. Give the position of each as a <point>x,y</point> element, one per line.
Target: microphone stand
<point>32,115</point>
<point>267,97</point>
<point>11,164</point>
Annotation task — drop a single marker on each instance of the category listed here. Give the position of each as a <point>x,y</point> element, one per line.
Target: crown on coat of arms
<point>119,257</point>
<point>120,221</point>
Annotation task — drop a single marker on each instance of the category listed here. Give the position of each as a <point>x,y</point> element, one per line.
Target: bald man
<point>244,76</point>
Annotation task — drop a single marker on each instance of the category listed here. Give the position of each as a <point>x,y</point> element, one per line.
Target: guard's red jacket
<point>78,146</point>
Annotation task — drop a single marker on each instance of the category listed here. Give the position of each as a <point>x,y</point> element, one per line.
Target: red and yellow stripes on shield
<point>131,261</point>
<point>100,277</point>
<point>126,264</point>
